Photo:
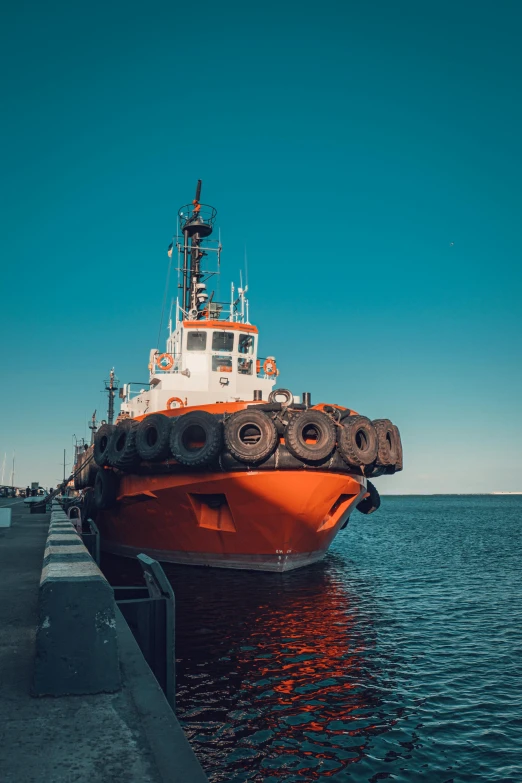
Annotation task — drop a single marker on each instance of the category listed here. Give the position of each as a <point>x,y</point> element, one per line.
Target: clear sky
<point>367,153</point>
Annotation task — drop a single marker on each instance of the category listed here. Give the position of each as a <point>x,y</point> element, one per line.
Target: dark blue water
<point>399,657</point>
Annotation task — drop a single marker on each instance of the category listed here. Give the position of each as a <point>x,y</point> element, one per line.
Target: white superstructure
<point>212,352</point>
<point>205,362</point>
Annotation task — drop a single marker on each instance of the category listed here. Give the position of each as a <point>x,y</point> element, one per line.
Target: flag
<point>169,249</point>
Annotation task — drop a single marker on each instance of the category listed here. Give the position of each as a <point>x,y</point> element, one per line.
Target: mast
<point>110,387</point>
<point>196,222</point>
<point>92,427</point>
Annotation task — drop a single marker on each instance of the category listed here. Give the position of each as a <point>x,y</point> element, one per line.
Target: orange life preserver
<point>258,366</point>
<point>180,402</point>
<point>161,357</point>
<point>269,367</point>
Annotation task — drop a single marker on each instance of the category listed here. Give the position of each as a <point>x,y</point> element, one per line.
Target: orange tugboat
<point>208,464</point>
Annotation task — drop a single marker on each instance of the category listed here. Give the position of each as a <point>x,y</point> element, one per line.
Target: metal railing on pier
<point>148,611</point>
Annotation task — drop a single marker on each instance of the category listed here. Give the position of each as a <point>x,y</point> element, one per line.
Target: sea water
<point>399,657</point>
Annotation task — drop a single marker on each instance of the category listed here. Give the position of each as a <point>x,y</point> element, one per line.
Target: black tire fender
<point>371,503</point>
<point>101,444</point>
<point>310,436</point>
<point>105,489</point>
<point>152,437</point>
<point>196,438</point>
<point>92,470</point>
<point>89,469</point>
<point>123,453</point>
<point>399,463</point>
<point>80,473</point>
<point>250,436</point>
<point>357,442</point>
<point>89,509</point>
<point>388,448</point>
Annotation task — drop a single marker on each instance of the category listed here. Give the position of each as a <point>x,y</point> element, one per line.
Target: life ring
<point>269,367</point>
<point>180,402</point>
<point>169,359</point>
<point>258,366</point>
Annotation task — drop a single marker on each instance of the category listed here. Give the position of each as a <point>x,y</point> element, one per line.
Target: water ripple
<point>397,658</point>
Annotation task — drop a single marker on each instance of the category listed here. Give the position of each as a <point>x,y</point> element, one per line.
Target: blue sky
<point>367,154</point>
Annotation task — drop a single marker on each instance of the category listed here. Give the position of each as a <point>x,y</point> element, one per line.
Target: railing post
<point>91,541</point>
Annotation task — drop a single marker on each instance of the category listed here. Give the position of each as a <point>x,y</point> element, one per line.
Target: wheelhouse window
<point>244,366</point>
<point>222,363</point>
<point>196,341</point>
<point>223,341</point>
<point>246,344</point>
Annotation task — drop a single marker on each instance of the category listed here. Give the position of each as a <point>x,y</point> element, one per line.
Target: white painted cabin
<point>205,362</point>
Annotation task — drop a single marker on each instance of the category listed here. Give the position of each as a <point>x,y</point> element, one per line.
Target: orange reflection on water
<point>312,682</point>
<point>277,675</point>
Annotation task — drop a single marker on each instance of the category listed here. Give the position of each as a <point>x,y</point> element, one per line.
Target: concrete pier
<point>130,735</point>
<point>77,617</point>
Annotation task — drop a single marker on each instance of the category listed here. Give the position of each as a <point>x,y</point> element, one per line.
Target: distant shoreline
<point>444,494</point>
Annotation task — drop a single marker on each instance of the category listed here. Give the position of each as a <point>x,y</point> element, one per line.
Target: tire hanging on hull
<point>388,443</point>
<point>89,509</point>
<point>399,461</point>
<point>101,444</point>
<point>310,436</point>
<point>196,438</point>
<point>105,490</point>
<point>371,503</point>
<point>152,437</point>
<point>123,453</point>
<point>86,469</point>
<point>357,442</point>
<point>250,436</point>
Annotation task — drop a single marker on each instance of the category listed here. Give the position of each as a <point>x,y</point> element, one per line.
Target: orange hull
<point>265,520</point>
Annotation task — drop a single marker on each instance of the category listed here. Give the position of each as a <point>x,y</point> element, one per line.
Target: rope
<point>164,299</point>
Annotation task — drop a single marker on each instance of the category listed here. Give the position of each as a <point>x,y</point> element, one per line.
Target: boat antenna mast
<point>110,387</point>
<point>196,222</point>
<point>92,427</point>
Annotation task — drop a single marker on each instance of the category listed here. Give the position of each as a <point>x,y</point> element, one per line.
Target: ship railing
<point>134,389</point>
<point>176,367</point>
<point>205,214</point>
<point>217,311</point>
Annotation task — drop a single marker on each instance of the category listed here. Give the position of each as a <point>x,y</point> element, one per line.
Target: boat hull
<point>267,521</point>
